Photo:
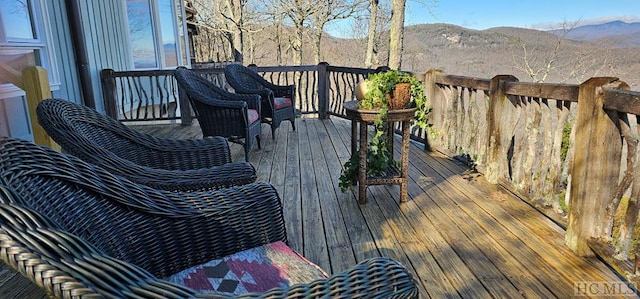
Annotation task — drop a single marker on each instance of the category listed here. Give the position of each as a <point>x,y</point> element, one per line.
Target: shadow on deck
<point>458,234</point>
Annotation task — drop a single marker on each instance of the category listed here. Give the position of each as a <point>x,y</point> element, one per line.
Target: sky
<point>535,14</point>
<point>539,14</point>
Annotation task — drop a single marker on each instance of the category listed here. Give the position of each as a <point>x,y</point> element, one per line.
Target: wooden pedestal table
<point>393,175</point>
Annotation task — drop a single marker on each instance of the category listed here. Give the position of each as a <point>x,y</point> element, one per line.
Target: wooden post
<point>323,90</point>
<point>596,166</point>
<point>502,119</point>
<point>35,83</point>
<point>437,104</point>
<point>109,92</point>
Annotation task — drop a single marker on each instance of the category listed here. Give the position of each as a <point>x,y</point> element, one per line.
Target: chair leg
<point>293,123</point>
<point>248,144</point>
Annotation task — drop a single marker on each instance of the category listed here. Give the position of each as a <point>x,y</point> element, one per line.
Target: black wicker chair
<point>277,100</point>
<point>76,230</point>
<point>167,164</point>
<point>221,113</point>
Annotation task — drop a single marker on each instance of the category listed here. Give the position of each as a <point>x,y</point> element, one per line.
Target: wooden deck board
<point>460,236</point>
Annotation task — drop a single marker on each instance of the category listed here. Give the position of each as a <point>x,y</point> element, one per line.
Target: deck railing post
<point>109,92</point>
<point>502,117</point>
<point>432,91</point>
<point>35,83</point>
<point>596,166</point>
<point>323,90</point>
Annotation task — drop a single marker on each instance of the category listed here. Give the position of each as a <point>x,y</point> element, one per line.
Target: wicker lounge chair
<point>277,100</point>
<point>76,230</point>
<point>221,113</point>
<point>167,164</point>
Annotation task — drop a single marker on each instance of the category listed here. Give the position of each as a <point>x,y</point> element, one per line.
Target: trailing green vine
<point>379,159</point>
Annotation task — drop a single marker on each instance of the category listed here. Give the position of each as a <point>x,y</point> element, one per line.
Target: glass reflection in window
<point>16,17</point>
<point>141,34</point>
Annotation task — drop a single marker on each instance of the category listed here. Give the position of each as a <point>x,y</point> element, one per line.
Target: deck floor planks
<point>550,232</point>
<point>362,242</point>
<point>535,252</point>
<point>454,278</point>
<point>438,284</point>
<point>453,226</point>
<point>511,244</point>
<point>467,249</point>
<point>489,263</point>
<point>291,198</point>
<point>338,243</point>
<point>315,245</point>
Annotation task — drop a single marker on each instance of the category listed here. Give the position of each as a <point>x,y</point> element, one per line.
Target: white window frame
<point>158,48</point>
<point>43,44</point>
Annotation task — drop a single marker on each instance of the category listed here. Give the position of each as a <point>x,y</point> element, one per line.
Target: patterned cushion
<point>280,103</point>
<point>254,270</point>
<point>253,115</point>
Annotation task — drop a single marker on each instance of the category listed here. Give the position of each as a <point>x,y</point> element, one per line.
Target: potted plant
<point>384,91</point>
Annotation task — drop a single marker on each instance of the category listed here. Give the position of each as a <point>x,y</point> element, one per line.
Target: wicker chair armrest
<point>264,93</point>
<point>287,91</point>
<point>215,177</point>
<point>162,152</point>
<point>253,101</point>
<point>373,278</point>
<point>213,97</point>
<point>181,170</point>
<point>184,154</point>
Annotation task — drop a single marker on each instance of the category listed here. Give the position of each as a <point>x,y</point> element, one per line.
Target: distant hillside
<point>482,53</point>
<point>501,50</point>
<point>621,33</point>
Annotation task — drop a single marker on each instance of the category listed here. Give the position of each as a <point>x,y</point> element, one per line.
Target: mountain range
<point>625,34</point>
<point>610,49</point>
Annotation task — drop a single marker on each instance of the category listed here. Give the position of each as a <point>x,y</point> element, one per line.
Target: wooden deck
<point>458,235</point>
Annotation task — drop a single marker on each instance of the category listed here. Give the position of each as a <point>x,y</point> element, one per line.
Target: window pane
<point>181,38</point>
<point>167,22</point>
<point>16,60</point>
<point>141,34</point>
<point>16,15</point>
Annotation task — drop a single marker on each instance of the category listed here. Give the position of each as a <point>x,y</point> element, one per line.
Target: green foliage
<point>566,136</point>
<point>381,84</point>
<point>379,158</point>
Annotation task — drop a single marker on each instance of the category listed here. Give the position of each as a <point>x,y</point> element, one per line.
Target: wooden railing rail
<point>142,96</point>
<point>153,95</point>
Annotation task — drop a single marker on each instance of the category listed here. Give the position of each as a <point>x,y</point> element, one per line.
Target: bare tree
<point>564,61</point>
<point>396,33</point>
<point>230,19</point>
<point>331,10</point>
<point>299,12</point>
<point>537,61</point>
<point>371,37</point>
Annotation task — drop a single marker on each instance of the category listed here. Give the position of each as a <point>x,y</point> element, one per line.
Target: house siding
<point>106,44</point>
<point>104,25</point>
<point>64,54</point>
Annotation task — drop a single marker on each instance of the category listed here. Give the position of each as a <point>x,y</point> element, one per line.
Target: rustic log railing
<point>571,149</point>
<point>154,95</point>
